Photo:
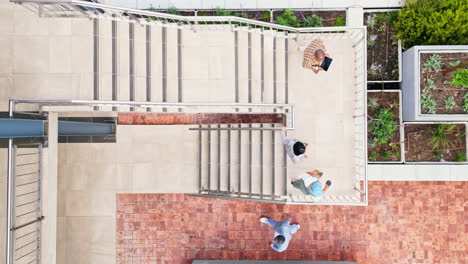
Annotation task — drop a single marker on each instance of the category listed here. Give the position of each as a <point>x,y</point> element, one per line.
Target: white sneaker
<point>264,220</point>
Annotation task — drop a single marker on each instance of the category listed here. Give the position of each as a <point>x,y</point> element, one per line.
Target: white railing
<point>24,198</point>
<point>77,8</point>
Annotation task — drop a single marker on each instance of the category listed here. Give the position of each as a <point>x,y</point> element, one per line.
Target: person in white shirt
<point>294,148</point>
<point>309,184</point>
<point>283,232</point>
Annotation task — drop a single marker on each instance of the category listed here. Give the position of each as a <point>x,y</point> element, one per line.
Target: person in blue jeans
<point>283,232</point>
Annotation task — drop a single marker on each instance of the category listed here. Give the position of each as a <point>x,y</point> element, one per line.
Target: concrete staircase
<point>209,63</point>
<point>242,161</point>
<point>212,63</point>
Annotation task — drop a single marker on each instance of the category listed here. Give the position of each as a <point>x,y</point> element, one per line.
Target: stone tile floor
<point>405,222</point>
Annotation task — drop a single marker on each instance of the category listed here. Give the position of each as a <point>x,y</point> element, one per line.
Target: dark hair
<point>279,239</point>
<point>299,148</point>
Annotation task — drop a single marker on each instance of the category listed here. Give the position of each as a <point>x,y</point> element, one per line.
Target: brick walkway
<point>405,222</point>
<point>195,119</point>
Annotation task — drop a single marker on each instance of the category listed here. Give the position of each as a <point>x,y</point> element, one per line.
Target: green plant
<point>373,155</point>
<point>392,17</point>
<point>173,11</point>
<point>339,22</point>
<point>288,18</point>
<point>431,84</point>
<point>372,40</point>
<point>460,156</point>
<point>372,102</point>
<point>382,126</point>
<point>313,21</point>
<point>371,21</point>
<point>460,78</point>
<point>433,62</point>
<point>465,102</point>
<point>428,102</point>
<point>432,22</point>
<point>242,14</point>
<point>385,154</point>
<point>380,17</point>
<point>202,13</point>
<point>438,155</point>
<point>222,12</point>
<point>266,16</point>
<point>440,138</point>
<point>454,63</point>
<point>449,103</point>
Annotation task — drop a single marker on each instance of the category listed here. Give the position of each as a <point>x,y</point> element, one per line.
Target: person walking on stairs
<point>309,184</point>
<point>283,232</point>
<point>294,148</point>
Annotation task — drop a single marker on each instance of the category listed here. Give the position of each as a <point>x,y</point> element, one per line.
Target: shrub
<point>428,102</point>
<point>454,63</point>
<point>433,63</point>
<point>465,102</point>
<point>371,21</point>
<point>460,78</point>
<point>372,40</point>
<point>438,155</point>
<point>385,154</point>
<point>339,22</point>
<point>460,156</point>
<point>449,103</point>
<point>372,102</point>
<point>222,12</point>
<point>372,156</point>
<point>173,11</point>
<point>313,21</point>
<point>266,15</point>
<point>288,18</point>
<point>431,84</point>
<point>433,22</point>
<point>382,126</point>
<point>242,14</point>
<point>439,136</point>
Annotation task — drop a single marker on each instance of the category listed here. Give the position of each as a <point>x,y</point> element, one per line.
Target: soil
<point>419,148</point>
<point>443,82</point>
<point>328,17</point>
<point>386,86</point>
<point>385,100</point>
<point>385,50</point>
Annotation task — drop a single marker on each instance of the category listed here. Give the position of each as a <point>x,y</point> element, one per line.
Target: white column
<point>49,194</point>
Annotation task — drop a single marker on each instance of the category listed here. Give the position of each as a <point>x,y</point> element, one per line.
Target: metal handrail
<point>93,11</point>
<point>288,108</point>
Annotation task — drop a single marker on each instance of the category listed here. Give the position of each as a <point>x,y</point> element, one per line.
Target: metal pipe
<point>10,202</point>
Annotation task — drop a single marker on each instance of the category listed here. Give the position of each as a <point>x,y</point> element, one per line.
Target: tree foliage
<point>433,22</point>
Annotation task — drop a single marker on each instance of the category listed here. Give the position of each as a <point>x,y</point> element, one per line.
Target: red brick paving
<point>195,119</point>
<point>405,222</point>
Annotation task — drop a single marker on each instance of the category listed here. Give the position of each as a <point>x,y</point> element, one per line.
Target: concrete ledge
<point>417,172</point>
<point>270,262</point>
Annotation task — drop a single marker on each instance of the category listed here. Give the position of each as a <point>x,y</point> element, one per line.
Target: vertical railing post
<point>10,202</point>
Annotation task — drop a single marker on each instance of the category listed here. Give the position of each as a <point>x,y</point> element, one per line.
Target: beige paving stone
<point>60,26</point>
<point>82,54</point>
<point>29,24</point>
<point>6,20</point>
<point>6,54</point>
<point>60,54</point>
<point>31,54</point>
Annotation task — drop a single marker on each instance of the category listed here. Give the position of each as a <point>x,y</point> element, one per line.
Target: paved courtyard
<point>405,222</point>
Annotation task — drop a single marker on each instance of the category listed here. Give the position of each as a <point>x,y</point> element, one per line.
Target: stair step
<point>140,62</point>
<point>172,89</point>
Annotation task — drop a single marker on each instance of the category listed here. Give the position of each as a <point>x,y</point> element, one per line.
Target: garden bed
<point>382,47</point>
<point>440,94</point>
<point>425,142</point>
<point>384,138</point>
